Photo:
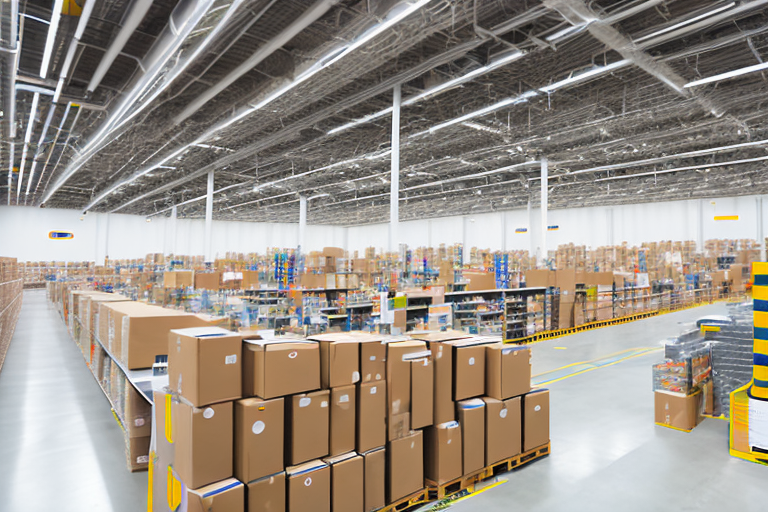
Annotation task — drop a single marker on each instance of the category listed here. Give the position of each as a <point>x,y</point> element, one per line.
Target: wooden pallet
<point>468,482</point>
<point>413,500</point>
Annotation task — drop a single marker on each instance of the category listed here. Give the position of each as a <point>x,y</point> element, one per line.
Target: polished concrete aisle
<point>607,454</point>
<point>60,448</point>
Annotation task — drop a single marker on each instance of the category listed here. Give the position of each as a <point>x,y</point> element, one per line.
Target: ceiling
<point>127,106</point>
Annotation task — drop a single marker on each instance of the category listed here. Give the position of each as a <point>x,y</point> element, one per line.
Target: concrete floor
<point>60,445</point>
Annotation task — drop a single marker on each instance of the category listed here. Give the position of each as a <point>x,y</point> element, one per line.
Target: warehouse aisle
<point>607,454</point>
<point>60,447</point>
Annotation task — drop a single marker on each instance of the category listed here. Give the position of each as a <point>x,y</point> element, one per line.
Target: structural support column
<point>106,243</point>
<point>531,248</point>
<point>544,202</point>
<point>503,231</point>
<point>609,225</point>
<point>700,226</point>
<point>760,232</point>
<point>174,216</point>
<point>394,181</point>
<point>209,219</point>
<point>302,222</point>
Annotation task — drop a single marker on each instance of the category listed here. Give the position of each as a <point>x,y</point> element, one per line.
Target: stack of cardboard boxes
<point>339,422</point>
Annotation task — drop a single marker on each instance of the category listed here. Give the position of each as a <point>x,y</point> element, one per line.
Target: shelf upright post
<point>544,201</point>
<point>394,181</point>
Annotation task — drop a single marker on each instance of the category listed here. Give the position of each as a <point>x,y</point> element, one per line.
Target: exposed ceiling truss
<point>126,106</point>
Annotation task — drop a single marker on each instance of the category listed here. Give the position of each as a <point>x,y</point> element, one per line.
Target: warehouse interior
<point>474,206</point>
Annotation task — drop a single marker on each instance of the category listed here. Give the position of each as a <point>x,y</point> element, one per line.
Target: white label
<point>139,422</point>
<point>230,359</point>
<point>355,376</point>
<point>258,427</point>
<point>471,361</point>
<point>413,445</point>
<point>537,408</point>
<point>378,376</point>
<point>758,423</point>
<point>373,390</point>
<point>208,413</point>
<point>373,358</point>
<point>323,404</point>
<point>308,481</point>
<point>343,399</point>
<point>304,402</point>
<point>142,459</point>
<point>293,355</point>
<point>449,441</point>
<point>503,413</point>
<point>506,351</point>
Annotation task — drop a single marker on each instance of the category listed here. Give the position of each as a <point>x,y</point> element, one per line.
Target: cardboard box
<point>309,487</point>
<point>140,332</point>
<point>307,427</point>
<point>565,313</point>
<point>399,425</point>
<point>333,252</point>
<point>477,281</point>
<point>503,429</point>
<point>267,494</point>
<point>422,393</point>
<point>347,482</point>
<point>371,416</point>
<point>399,373</point>
<point>203,443</point>
<point>405,466</point>
<point>566,280</point>
<point>471,414</point>
<point>339,361</point>
<point>540,278</point>
<point>259,438</point>
<point>205,364</point>
<point>677,410</point>
<point>138,452</point>
<point>468,370</point>
<point>373,361</point>
<point>178,279</point>
<point>273,368</point>
<point>375,479</point>
<point>444,410</point>
<point>535,419</point>
<point>342,415</point>
<point>208,280</point>
<point>508,371</point>
<point>443,453</point>
<point>225,496</point>
<point>138,413</point>
<point>163,452</point>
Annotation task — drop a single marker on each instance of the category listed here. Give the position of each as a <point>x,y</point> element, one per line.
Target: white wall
<point>634,224</point>
<point>25,230</point>
<point>25,235</point>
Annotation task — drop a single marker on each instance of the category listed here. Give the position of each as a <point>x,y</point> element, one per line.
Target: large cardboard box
<point>422,392</point>
<point>443,453</point>
<point>405,466</point>
<point>471,414</point>
<point>138,413</point>
<point>535,419</point>
<point>375,479</point>
<point>477,281</point>
<point>565,313</point>
<point>540,278</point>
<point>503,429</point>
<point>259,438</point>
<point>141,331</point>
<point>178,279</point>
<point>273,368</point>
<point>208,280</point>
<point>399,425</point>
<point>309,487</point>
<point>371,416</point>
<point>373,361</point>
<point>137,449</point>
<point>343,400</point>
<point>205,364</point>
<point>267,494</point>
<point>508,371</point>
<point>399,355</point>
<point>203,443</point>
<point>347,482</point>
<point>225,496</point>
<point>566,280</point>
<point>307,427</point>
<point>339,361</point>
<point>677,410</point>
<point>468,369</point>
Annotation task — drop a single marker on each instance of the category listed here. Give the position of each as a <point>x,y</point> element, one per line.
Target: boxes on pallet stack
<point>341,421</point>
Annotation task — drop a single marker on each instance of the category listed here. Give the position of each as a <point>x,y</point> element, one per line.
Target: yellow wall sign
<point>726,217</point>
<point>61,235</point>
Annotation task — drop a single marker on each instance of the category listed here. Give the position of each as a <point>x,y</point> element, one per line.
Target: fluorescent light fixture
<point>480,127</point>
<point>10,169</point>
<point>690,168</point>
<point>81,24</point>
<point>686,22</point>
<point>40,142</point>
<point>729,74</point>
<point>52,29</point>
<point>27,138</point>
<point>318,196</point>
<point>593,72</point>
<point>573,29</point>
<point>362,120</point>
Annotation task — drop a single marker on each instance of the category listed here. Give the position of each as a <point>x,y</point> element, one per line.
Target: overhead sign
<point>553,228</point>
<point>726,217</point>
<point>521,230</point>
<point>61,235</point>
